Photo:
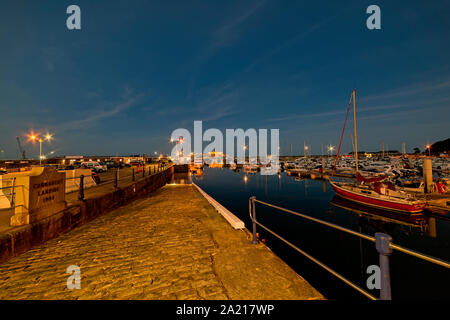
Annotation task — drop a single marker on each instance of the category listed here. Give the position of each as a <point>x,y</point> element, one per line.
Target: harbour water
<point>346,254</point>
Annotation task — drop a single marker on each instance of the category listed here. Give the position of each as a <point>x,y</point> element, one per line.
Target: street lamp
<point>330,149</point>
<point>34,137</point>
<point>429,150</point>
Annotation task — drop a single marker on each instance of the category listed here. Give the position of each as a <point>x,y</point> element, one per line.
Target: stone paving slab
<point>169,245</point>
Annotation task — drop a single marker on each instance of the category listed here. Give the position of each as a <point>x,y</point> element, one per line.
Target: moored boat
<point>373,191</point>
<point>383,198</point>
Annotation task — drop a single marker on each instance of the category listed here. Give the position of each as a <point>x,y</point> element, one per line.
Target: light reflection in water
<point>346,254</point>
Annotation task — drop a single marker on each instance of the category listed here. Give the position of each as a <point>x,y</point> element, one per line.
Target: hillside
<point>441,146</point>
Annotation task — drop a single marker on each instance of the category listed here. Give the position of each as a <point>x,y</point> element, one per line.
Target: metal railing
<point>115,180</point>
<point>383,244</point>
<point>12,189</point>
<point>145,172</point>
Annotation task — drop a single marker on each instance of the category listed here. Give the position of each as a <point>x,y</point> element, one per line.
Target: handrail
<point>321,264</point>
<point>383,243</point>
<point>335,226</point>
<point>364,236</point>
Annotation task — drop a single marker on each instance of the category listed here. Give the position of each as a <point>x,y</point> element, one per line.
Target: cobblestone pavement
<point>169,245</point>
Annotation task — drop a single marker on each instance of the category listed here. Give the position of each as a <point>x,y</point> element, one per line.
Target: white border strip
<point>235,222</point>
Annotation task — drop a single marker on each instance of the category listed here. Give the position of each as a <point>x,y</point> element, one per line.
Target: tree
<point>416,150</point>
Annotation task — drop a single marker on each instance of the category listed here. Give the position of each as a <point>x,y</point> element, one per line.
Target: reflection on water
<point>181,178</point>
<point>345,253</point>
<point>384,216</point>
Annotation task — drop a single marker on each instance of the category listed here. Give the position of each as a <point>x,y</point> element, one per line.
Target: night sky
<point>137,70</point>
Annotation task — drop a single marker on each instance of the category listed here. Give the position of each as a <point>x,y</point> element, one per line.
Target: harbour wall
<point>21,239</point>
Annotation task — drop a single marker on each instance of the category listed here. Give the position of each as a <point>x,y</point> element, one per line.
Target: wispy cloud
<point>220,104</point>
<point>307,115</point>
<point>226,34</point>
<point>419,104</point>
<point>267,56</point>
<point>410,90</point>
<point>223,36</point>
<point>102,114</point>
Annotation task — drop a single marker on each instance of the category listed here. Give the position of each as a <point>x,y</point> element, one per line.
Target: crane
<point>22,152</point>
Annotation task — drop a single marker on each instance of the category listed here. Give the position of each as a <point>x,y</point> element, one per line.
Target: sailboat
<point>373,192</point>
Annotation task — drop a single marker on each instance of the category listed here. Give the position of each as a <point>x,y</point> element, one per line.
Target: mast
<point>354,124</point>
<point>353,143</point>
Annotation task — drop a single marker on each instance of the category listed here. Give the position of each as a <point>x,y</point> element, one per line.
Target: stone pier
<point>171,244</point>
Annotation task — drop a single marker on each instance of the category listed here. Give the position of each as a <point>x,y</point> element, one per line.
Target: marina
<point>423,232</point>
<point>222,158</point>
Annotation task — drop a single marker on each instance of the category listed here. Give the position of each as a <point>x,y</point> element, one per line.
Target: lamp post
<point>429,150</point>
<point>34,137</point>
<point>330,149</point>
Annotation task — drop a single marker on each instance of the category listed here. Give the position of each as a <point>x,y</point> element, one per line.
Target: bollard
<point>133,176</point>
<point>382,242</point>
<point>81,189</point>
<point>13,192</point>
<point>253,212</point>
<point>115,178</point>
<point>428,175</point>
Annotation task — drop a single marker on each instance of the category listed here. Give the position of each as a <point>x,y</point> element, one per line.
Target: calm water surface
<point>348,255</point>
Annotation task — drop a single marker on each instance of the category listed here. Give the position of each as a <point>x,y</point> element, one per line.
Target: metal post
<point>253,212</point>
<point>115,178</point>
<point>382,242</point>
<point>81,189</point>
<point>13,192</point>
<point>133,177</point>
<point>143,171</point>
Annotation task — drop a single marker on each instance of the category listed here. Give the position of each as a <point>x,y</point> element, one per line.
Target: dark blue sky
<point>139,69</point>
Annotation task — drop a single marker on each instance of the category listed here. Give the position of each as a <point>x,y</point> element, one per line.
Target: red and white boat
<point>372,191</point>
<point>383,197</point>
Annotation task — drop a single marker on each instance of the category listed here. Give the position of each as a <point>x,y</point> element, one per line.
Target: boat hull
<point>378,203</point>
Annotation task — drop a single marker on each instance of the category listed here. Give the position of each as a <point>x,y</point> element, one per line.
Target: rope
<point>342,135</point>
